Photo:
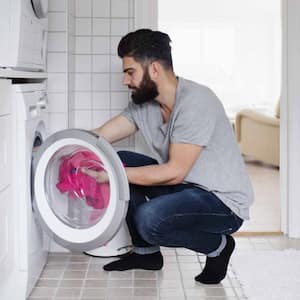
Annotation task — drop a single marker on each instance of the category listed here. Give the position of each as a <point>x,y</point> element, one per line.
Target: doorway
<point>234,47</point>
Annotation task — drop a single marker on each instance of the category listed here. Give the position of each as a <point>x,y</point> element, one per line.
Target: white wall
<point>57,65</point>
<point>85,73</point>
<point>290,125</point>
<point>232,46</point>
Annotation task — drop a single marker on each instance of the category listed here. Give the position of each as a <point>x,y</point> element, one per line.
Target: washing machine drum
<point>80,189</point>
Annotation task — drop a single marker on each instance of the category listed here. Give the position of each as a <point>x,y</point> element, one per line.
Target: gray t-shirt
<point>198,118</point>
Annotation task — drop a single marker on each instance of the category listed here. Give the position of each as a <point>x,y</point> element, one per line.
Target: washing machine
<point>29,129</point>
<point>54,195</point>
<point>71,205</point>
<point>23,34</point>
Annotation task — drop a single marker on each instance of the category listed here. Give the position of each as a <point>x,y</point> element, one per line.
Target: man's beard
<point>147,90</point>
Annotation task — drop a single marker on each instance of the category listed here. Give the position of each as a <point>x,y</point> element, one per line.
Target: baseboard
<point>257,233</point>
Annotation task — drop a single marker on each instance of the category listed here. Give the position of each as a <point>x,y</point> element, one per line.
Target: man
<point>197,192</point>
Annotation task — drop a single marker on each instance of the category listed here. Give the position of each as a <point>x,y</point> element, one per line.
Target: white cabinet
<point>6,200</point>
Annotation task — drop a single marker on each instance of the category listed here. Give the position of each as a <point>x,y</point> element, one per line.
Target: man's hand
<point>100,176</point>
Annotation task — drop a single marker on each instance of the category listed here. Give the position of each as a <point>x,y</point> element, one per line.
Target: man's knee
<point>125,156</point>
<point>147,222</point>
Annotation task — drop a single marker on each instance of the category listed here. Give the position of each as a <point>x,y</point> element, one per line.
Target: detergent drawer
<point>80,189</point>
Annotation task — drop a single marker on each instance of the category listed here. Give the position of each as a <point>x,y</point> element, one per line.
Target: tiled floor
<point>265,211</point>
<point>76,276</point>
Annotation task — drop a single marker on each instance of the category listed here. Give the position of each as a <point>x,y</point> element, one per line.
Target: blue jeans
<point>180,215</point>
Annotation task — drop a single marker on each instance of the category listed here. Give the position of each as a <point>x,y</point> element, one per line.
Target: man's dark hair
<point>147,45</point>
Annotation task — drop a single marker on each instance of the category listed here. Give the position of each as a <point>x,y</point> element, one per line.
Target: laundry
<point>77,184</point>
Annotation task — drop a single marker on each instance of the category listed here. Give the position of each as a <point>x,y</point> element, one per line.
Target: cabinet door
<point>6,235</point>
<point>5,151</point>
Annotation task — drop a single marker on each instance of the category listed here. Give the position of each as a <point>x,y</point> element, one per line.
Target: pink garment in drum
<point>76,184</point>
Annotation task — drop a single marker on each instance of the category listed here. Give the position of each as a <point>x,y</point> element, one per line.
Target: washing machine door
<point>40,8</point>
<point>80,189</point>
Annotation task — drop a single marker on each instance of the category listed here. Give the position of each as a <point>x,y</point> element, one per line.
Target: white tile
<point>83,45</point>
<point>119,8</point>
<point>58,121</point>
<point>57,82</point>
<point>71,26</point>
<point>83,119</point>
<point>71,122</point>
<point>101,100</point>
<point>131,24</point>
<point>114,113</point>
<point>101,27</point>
<point>57,62</point>
<point>71,45</point>
<point>82,82</point>
<point>56,21</point>
<point>57,5</point>
<point>131,8</point>
<point>83,26</point>
<point>101,8</point>
<point>83,63</point>
<point>101,82</point>
<point>101,63</point>
<point>83,8</point>
<point>119,100</point>
<point>119,27</point>
<point>171,293</point>
<point>115,63</point>
<point>116,82</point>
<point>101,45</point>
<point>41,292</point>
<point>114,42</point>
<point>71,100</point>
<point>57,41</point>
<point>100,117</point>
<point>83,100</point>
<point>71,7</point>
<point>58,102</point>
<point>71,83</point>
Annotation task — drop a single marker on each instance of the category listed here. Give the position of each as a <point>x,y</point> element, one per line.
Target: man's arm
<point>181,159</point>
<point>116,129</point>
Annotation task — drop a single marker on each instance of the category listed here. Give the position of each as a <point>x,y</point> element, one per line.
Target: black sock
<point>216,267</point>
<point>153,261</point>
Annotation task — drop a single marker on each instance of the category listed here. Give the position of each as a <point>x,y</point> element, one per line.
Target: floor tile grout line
<point>85,277</point>
<point>232,287</point>
<point>181,276</point>
<point>61,277</point>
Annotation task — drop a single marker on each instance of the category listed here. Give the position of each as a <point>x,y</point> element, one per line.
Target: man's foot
<point>216,267</point>
<point>153,261</point>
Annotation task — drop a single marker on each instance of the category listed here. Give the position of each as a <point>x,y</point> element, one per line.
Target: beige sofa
<point>258,135</point>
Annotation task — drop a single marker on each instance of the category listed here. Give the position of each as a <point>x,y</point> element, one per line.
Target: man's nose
<point>126,80</point>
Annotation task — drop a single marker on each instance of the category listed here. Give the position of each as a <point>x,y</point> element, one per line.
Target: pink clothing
<point>76,184</point>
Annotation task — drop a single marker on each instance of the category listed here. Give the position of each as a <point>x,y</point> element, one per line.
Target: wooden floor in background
<point>265,216</point>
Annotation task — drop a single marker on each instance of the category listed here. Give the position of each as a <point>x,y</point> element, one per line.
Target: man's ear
<point>154,70</point>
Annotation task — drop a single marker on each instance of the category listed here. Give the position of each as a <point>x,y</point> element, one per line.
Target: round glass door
<point>76,193</point>
<point>80,189</point>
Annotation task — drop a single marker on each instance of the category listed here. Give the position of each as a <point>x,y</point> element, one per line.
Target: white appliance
<point>29,104</point>
<point>23,34</point>
<point>72,207</point>
<point>73,220</point>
